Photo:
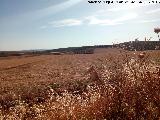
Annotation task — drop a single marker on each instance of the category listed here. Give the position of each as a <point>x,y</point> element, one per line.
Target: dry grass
<point>112,85</point>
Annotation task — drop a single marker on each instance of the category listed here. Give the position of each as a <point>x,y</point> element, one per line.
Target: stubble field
<point>109,84</point>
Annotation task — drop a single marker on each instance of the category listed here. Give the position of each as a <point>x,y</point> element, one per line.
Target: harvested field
<point>110,84</point>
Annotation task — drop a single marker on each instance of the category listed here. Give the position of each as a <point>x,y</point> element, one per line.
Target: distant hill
<point>132,45</point>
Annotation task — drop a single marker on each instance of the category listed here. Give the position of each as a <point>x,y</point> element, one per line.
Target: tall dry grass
<point>118,88</point>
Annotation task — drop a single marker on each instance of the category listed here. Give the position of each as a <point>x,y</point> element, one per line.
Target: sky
<point>50,24</point>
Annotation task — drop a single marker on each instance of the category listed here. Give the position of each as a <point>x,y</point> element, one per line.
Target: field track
<point>19,66</point>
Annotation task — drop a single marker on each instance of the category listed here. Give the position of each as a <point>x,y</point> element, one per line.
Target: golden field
<point>111,84</point>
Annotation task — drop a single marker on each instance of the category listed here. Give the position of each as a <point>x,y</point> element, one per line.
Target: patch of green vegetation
<point>157,61</point>
<point>54,85</point>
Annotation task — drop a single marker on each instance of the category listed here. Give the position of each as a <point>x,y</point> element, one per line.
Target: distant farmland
<point>131,46</point>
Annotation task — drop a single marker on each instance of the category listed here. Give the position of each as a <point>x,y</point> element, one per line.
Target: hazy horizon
<point>48,24</point>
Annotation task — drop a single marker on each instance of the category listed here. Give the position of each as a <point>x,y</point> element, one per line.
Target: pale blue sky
<point>48,24</point>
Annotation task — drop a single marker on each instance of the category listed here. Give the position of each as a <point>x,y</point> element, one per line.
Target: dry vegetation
<point>111,84</point>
